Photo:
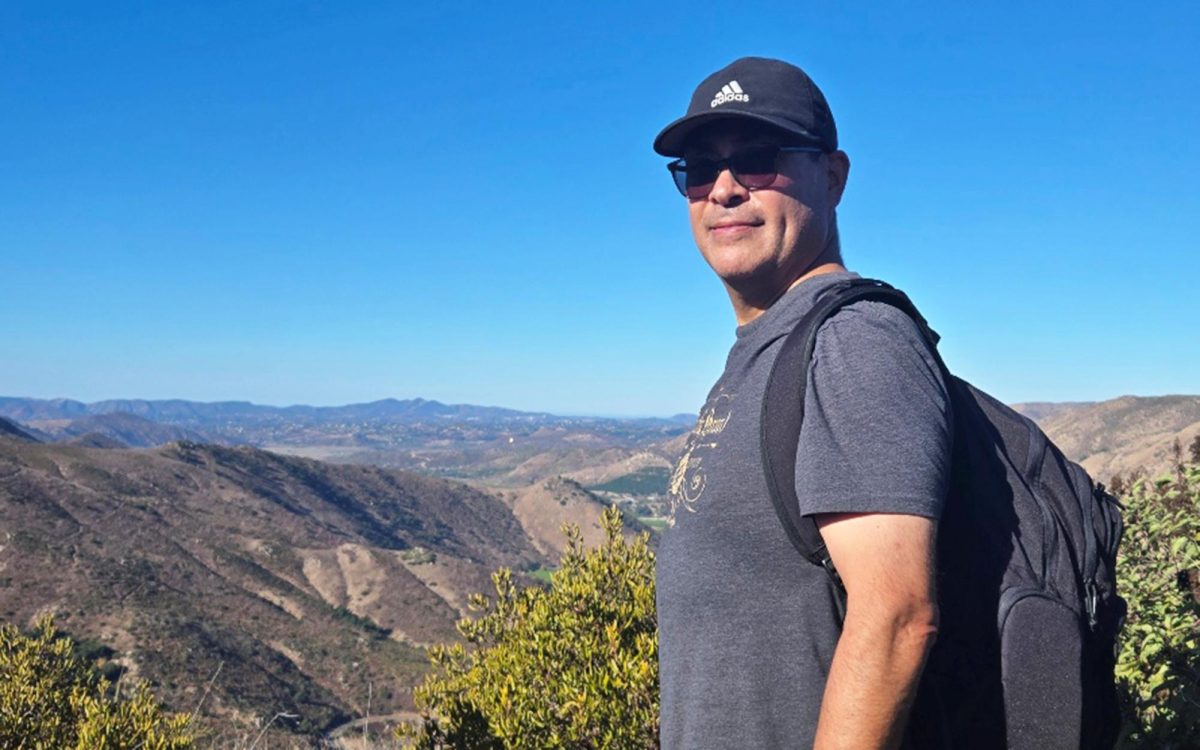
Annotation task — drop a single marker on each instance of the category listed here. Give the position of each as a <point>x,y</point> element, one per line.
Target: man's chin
<point>754,284</point>
<point>735,264</point>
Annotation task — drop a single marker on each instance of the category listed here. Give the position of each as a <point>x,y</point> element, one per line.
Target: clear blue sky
<point>299,202</point>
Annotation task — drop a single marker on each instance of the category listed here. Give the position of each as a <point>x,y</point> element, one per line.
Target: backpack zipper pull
<point>1091,602</point>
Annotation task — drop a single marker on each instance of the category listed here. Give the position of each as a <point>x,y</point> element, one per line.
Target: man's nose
<point>727,191</point>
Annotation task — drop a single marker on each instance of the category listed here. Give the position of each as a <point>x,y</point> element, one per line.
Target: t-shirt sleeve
<point>878,427</point>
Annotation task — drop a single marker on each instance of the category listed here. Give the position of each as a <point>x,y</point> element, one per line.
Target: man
<point>753,650</point>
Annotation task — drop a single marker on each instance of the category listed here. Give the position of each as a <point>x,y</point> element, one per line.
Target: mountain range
<point>214,415</point>
<point>510,448</point>
<point>488,444</point>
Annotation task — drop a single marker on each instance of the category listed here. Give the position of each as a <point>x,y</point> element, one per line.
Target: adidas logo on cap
<point>730,92</point>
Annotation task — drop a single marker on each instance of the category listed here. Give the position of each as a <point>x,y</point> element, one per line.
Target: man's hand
<point>887,565</point>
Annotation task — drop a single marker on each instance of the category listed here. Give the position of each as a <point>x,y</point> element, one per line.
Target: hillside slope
<point>543,507</point>
<point>11,429</point>
<point>1124,434</point>
<point>126,429</point>
<point>302,583</point>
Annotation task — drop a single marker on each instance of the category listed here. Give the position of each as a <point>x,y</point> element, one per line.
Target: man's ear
<point>838,170</point>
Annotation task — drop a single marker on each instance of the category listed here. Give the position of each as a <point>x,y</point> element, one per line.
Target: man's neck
<point>747,310</point>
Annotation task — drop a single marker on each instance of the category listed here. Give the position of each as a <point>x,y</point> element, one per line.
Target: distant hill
<point>1124,434</point>
<point>200,414</point>
<point>122,429</point>
<point>9,428</point>
<point>30,409</point>
<point>303,583</point>
<point>616,465</point>
<point>543,508</point>
<point>1041,410</point>
<point>96,440</point>
<point>174,410</point>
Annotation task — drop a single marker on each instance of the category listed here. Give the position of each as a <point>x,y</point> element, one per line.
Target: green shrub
<point>1159,575</point>
<point>418,556</point>
<point>574,665</point>
<point>358,621</point>
<point>51,698</point>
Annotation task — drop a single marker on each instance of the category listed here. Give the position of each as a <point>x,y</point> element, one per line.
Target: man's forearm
<point>873,681</point>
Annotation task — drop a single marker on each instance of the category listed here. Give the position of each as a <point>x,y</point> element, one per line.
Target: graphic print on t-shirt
<point>689,478</point>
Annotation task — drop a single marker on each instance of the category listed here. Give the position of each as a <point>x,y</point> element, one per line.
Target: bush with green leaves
<point>574,665</point>
<point>52,698</point>
<point>1159,575</point>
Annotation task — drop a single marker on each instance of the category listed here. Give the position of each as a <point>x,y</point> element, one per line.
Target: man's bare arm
<point>887,565</point>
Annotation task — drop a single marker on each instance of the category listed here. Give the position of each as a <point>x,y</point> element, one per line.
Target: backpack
<point>1027,544</point>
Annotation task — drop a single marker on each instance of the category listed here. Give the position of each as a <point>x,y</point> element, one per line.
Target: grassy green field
<point>649,480</point>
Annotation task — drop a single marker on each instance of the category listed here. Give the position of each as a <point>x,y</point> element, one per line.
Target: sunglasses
<point>753,168</point>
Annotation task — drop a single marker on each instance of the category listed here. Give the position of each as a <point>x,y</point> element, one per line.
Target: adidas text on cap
<point>759,89</point>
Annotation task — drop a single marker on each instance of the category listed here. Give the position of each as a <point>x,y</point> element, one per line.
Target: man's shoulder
<point>869,324</point>
<point>877,429</point>
<point>873,353</point>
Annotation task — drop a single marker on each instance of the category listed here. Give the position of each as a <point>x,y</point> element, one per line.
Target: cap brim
<point>673,138</point>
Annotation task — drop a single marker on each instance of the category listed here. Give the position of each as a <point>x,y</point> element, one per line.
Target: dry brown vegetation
<point>1124,434</point>
<point>297,580</point>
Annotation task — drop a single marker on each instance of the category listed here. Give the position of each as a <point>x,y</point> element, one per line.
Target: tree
<point>50,698</point>
<point>574,665</point>
<point>1158,572</point>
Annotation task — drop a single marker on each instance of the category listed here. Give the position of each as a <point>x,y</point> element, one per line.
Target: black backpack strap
<point>783,408</point>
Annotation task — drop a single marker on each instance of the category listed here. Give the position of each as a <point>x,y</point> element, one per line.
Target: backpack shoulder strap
<point>783,407</point>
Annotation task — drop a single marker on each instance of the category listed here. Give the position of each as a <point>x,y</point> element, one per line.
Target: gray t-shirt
<point>747,628</point>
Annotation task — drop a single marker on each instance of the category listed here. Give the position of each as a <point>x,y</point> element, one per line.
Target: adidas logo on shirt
<point>730,92</point>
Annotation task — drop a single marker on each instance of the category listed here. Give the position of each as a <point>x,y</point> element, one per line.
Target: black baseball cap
<point>759,89</point>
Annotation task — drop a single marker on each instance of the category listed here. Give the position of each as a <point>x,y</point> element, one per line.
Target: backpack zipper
<point>1091,557</point>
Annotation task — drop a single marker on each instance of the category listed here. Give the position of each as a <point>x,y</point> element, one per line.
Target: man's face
<point>761,241</point>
